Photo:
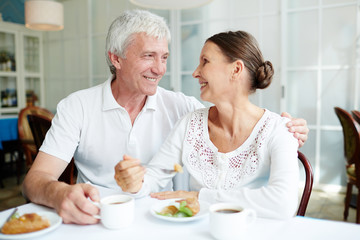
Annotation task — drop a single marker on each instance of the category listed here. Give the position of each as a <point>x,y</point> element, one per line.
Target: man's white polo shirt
<point>91,126</point>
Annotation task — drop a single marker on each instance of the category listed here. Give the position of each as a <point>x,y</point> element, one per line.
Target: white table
<point>147,226</point>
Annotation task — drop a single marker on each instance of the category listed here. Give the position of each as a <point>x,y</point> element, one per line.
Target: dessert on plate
<point>189,207</point>
<point>29,222</point>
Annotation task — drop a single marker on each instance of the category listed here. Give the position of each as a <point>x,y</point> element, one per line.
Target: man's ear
<point>115,60</point>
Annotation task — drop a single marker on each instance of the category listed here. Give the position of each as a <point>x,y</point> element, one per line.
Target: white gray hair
<point>123,28</point>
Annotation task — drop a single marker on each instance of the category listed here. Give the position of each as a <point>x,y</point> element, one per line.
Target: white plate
<point>204,211</point>
<point>55,221</point>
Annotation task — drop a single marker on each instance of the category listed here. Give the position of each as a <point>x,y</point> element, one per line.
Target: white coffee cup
<point>230,220</point>
<point>116,211</point>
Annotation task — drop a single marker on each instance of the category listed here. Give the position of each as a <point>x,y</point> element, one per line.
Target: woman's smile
<point>203,84</point>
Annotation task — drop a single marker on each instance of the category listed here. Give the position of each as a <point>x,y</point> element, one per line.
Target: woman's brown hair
<point>242,45</point>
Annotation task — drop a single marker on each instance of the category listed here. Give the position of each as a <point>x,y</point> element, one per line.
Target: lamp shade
<point>44,15</point>
<point>170,4</point>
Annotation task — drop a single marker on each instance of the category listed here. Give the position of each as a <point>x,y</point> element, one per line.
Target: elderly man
<point>127,114</point>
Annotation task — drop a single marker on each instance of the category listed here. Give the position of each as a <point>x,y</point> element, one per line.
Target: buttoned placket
<point>132,135</point>
<point>223,168</point>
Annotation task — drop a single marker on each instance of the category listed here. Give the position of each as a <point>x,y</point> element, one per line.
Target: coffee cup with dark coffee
<point>229,220</point>
<point>116,211</point>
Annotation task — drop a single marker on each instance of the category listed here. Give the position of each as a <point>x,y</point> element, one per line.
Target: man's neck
<point>131,101</point>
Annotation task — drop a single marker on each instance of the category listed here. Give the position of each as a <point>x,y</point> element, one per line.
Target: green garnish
<point>180,215</point>
<point>15,215</point>
<point>183,211</point>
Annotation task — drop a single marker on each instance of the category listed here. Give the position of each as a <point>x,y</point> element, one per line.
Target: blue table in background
<point>10,144</point>
<point>8,129</point>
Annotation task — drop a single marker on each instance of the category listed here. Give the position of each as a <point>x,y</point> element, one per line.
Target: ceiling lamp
<point>170,4</point>
<point>44,15</point>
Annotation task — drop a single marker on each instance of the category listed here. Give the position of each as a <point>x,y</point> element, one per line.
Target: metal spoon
<point>177,168</point>
<point>168,171</point>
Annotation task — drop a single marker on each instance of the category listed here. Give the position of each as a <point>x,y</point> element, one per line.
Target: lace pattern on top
<point>217,170</point>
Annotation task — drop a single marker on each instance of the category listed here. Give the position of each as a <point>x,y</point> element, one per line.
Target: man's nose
<point>159,67</point>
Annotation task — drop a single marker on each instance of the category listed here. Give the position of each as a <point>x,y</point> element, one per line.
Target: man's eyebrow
<point>154,52</point>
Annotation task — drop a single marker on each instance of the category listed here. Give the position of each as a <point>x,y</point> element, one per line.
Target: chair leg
<point>347,201</point>
<point>28,158</point>
<point>2,164</point>
<point>358,209</point>
<point>19,162</point>
<point>15,164</point>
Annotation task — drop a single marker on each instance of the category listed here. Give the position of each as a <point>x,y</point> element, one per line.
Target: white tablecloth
<point>146,226</point>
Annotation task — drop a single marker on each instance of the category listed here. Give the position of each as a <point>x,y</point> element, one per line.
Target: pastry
<point>26,223</point>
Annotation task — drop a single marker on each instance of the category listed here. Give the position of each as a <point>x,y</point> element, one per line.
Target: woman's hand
<point>174,194</point>
<point>298,127</point>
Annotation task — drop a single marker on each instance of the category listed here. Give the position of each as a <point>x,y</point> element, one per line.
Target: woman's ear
<point>238,68</point>
<point>115,60</point>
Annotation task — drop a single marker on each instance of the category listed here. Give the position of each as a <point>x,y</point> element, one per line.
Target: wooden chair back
<point>25,134</point>
<point>350,129</point>
<point>351,137</point>
<point>356,115</point>
<point>309,180</point>
<point>39,126</point>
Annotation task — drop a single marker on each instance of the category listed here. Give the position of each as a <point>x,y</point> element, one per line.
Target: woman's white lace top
<point>261,174</point>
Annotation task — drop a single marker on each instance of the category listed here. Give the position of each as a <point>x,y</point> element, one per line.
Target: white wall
<point>66,55</point>
<point>320,71</point>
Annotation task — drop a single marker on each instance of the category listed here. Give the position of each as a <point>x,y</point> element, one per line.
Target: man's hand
<point>75,207</point>
<point>298,126</point>
<point>41,186</point>
<point>129,174</point>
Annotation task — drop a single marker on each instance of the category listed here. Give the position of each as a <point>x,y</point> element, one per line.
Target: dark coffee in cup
<point>228,211</point>
<point>230,220</point>
<point>116,211</point>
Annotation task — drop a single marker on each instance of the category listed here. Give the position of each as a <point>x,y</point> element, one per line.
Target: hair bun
<point>264,75</point>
